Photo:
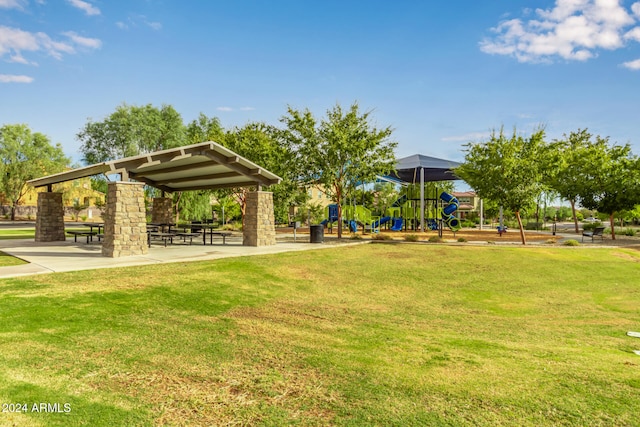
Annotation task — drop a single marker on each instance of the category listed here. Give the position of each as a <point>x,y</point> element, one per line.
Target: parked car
<point>591,219</point>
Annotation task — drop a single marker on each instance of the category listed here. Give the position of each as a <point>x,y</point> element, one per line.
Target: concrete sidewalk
<point>56,257</point>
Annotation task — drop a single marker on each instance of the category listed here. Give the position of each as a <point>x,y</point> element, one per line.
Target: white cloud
<point>636,8</point>
<point>12,4</point>
<point>632,65</point>
<point>154,25</point>
<point>8,78</point>
<point>137,21</point>
<point>83,41</point>
<point>634,34</point>
<point>247,109</point>
<point>224,109</point>
<point>572,30</point>
<point>86,7</point>
<point>14,42</point>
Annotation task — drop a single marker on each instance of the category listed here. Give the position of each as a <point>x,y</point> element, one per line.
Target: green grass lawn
<point>8,260</point>
<point>362,335</point>
<point>17,233</point>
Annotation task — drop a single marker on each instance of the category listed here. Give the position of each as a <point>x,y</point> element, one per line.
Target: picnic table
<point>196,228</point>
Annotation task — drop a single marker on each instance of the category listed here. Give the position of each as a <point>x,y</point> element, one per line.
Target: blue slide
<point>397,224</point>
<point>353,226</point>
<point>448,211</point>
<point>378,223</point>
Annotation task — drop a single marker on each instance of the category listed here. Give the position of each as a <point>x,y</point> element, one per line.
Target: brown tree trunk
<point>573,211</point>
<point>339,198</point>
<point>522,236</point>
<point>612,222</point>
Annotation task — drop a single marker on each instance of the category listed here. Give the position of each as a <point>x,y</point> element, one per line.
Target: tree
<point>132,130</point>
<point>569,165</point>
<point>613,183</point>
<point>341,151</point>
<point>24,156</point>
<point>385,195</point>
<point>506,170</point>
<point>205,129</point>
<point>264,145</point>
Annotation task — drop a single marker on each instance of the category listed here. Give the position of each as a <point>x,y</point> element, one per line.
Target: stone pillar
<point>162,212</point>
<point>50,218</point>
<point>259,225</point>
<point>125,223</point>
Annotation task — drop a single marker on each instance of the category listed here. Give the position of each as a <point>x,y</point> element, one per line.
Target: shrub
<point>461,239</point>
<point>591,225</point>
<point>435,239</point>
<point>629,232</point>
<point>551,241</point>
<point>381,237</point>
<point>571,242</point>
<point>533,226</point>
<point>359,237</point>
<point>411,237</point>
<point>468,224</point>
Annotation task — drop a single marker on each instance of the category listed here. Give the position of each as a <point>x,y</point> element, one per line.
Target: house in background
<point>76,192</point>
<point>467,202</point>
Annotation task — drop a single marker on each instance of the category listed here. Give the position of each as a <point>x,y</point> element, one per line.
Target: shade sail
<point>408,169</point>
<point>207,165</point>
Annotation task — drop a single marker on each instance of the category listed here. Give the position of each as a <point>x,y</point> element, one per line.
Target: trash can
<point>316,233</point>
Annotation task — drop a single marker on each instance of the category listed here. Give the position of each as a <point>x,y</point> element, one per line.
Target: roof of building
<point>206,165</point>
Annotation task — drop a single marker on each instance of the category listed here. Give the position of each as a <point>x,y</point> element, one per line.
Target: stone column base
<point>50,218</point>
<point>259,222</point>
<point>125,225</point>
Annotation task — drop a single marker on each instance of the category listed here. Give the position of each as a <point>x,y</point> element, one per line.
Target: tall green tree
<point>613,183</point>
<point>25,155</point>
<point>264,145</point>
<point>131,130</point>
<point>506,170</point>
<point>339,152</point>
<point>570,163</point>
<point>205,129</point>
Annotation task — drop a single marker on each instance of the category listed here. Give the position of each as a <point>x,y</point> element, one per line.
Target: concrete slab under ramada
<point>53,257</point>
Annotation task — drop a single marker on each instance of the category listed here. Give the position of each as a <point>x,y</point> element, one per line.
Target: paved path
<point>53,257</point>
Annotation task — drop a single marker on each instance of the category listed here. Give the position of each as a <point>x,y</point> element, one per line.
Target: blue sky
<point>440,73</point>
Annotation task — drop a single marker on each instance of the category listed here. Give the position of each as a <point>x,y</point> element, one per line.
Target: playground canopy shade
<point>408,169</point>
<point>206,165</point>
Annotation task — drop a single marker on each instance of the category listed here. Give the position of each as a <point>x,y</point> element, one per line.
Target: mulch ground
<point>470,234</point>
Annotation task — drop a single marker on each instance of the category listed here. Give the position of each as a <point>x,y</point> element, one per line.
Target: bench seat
<point>212,233</point>
<point>89,234</point>
<point>186,235</point>
<point>597,232</point>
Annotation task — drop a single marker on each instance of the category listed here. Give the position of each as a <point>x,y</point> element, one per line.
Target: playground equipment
<point>439,210</point>
<point>353,216</point>
<point>404,213</point>
<point>448,211</point>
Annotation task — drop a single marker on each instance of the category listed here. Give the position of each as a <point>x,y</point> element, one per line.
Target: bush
<point>629,232</point>
<point>591,225</point>
<point>435,239</point>
<point>381,237</point>
<point>411,237</point>
<point>571,242</point>
<point>468,224</point>
<point>551,241</point>
<point>358,237</point>
<point>461,239</point>
<point>533,226</point>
